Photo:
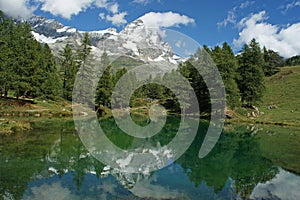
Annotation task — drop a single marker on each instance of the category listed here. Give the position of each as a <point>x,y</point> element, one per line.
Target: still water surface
<point>50,162</point>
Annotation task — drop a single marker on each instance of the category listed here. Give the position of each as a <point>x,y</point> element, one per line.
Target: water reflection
<point>279,187</point>
<point>51,163</point>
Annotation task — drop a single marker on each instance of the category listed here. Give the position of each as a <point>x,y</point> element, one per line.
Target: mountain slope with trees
<point>29,70</point>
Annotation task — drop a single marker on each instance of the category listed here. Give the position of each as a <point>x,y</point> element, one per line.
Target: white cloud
<point>117,19</point>
<point>59,8</point>
<point>283,40</point>
<point>66,8</point>
<point>114,8</point>
<point>231,18</point>
<point>144,2</point>
<point>167,19</point>
<point>101,3</point>
<point>102,15</point>
<point>290,6</point>
<point>231,15</point>
<point>246,4</point>
<point>63,8</point>
<point>17,8</point>
<point>284,185</point>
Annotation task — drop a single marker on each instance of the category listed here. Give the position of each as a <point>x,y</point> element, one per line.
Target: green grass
<point>16,116</point>
<point>10,106</point>
<point>282,90</point>
<point>281,144</point>
<point>9,126</point>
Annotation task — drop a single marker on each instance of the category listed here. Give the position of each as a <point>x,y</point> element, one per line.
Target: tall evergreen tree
<point>27,67</point>
<point>189,71</point>
<point>104,89</point>
<point>5,56</point>
<point>51,84</point>
<point>86,72</point>
<point>129,83</point>
<point>85,49</point>
<point>251,82</point>
<point>227,65</point>
<point>293,61</point>
<point>272,62</point>
<point>68,71</point>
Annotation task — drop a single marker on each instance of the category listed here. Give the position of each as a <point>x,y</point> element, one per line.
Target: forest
<point>29,69</point>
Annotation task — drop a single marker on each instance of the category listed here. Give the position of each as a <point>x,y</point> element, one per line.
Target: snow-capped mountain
<point>136,41</point>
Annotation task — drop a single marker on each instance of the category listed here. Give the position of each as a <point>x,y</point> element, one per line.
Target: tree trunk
<point>5,93</point>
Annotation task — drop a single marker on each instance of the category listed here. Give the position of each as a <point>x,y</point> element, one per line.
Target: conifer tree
<point>272,62</point>
<point>68,71</point>
<point>227,65</point>
<point>51,84</point>
<point>27,67</point>
<point>251,82</point>
<point>104,88</point>
<point>86,72</point>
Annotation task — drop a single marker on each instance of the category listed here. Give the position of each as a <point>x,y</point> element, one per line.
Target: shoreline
<point>17,121</point>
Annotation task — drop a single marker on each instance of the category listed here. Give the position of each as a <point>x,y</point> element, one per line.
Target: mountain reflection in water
<point>50,162</point>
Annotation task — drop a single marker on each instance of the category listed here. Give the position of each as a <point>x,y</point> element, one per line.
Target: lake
<point>248,162</point>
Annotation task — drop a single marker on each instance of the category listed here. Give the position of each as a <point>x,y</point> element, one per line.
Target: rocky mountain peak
<point>134,27</point>
<point>136,40</point>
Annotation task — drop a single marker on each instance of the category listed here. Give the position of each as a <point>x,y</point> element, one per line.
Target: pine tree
<point>129,83</point>
<point>189,71</point>
<point>24,51</point>
<point>85,49</point>
<point>86,72</point>
<point>293,61</point>
<point>104,89</point>
<point>227,65</point>
<point>27,67</point>
<point>68,71</point>
<point>155,90</point>
<point>51,84</point>
<point>5,59</point>
<point>118,75</point>
<point>251,82</point>
<point>272,62</point>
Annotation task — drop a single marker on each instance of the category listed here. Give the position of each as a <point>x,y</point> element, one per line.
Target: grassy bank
<point>15,116</point>
<point>8,126</point>
<point>280,104</point>
<point>24,107</point>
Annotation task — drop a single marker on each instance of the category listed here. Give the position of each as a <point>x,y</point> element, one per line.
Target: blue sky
<point>274,23</point>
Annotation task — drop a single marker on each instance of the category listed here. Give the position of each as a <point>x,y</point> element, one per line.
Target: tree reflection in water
<point>52,156</point>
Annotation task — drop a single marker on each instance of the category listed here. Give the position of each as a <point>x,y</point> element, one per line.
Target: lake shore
<point>19,118</point>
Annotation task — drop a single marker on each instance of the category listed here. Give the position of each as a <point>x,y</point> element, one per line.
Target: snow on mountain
<point>135,41</point>
<point>44,39</point>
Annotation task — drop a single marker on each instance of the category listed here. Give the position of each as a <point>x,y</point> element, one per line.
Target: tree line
<point>243,76</point>
<point>29,69</point>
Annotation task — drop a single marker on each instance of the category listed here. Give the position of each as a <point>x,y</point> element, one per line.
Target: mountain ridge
<point>136,41</point>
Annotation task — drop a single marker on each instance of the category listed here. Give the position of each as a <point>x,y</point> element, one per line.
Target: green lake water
<point>50,162</point>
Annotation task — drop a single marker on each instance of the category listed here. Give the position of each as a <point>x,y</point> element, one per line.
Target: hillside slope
<point>281,101</point>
